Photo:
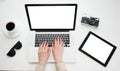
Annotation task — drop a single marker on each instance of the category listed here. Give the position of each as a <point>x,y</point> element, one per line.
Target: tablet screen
<point>97,48</point>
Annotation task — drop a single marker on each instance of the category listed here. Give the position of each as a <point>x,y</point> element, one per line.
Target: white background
<point>107,10</point>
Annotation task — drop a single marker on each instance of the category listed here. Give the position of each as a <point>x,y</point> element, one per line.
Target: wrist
<point>42,63</point>
<point>59,60</point>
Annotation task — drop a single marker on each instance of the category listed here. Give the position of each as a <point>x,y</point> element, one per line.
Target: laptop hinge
<point>52,30</point>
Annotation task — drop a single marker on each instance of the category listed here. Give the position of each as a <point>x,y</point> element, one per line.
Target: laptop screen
<point>51,16</point>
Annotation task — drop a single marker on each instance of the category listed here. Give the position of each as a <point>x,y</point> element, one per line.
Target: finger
<point>55,41</point>
<point>39,49</point>
<point>49,50</point>
<point>58,40</point>
<point>41,45</point>
<point>46,47</point>
<point>44,44</point>
<point>62,43</point>
<point>52,45</point>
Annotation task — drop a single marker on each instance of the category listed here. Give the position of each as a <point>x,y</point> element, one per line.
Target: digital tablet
<point>97,48</point>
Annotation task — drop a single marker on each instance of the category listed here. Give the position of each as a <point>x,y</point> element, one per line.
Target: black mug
<point>10,26</point>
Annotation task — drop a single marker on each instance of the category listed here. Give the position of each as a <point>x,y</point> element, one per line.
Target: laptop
<point>47,22</point>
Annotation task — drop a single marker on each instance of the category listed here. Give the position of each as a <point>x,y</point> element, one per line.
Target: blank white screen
<point>51,17</point>
<point>97,48</point>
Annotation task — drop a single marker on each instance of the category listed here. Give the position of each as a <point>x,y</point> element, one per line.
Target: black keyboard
<point>49,38</point>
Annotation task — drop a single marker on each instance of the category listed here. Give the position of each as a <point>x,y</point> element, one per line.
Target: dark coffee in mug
<point>10,26</point>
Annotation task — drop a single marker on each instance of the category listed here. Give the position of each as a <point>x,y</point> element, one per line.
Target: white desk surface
<point>107,10</point>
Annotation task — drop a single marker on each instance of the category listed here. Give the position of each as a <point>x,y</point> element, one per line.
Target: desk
<point>107,10</point>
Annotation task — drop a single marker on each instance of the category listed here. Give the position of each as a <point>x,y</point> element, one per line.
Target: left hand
<point>43,53</point>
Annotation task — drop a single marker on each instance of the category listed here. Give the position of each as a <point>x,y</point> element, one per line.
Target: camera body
<point>90,20</point>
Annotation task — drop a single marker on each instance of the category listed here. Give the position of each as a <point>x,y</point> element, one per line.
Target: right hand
<point>57,50</point>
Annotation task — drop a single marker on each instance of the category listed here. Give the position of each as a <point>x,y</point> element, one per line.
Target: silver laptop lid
<point>51,16</point>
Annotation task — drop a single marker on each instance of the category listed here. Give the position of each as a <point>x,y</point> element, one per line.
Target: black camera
<point>91,21</point>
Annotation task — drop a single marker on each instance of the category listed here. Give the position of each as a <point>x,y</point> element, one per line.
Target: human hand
<point>43,53</point>
<point>57,50</point>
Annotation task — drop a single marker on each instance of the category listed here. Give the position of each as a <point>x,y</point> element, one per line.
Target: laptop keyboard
<point>49,38</point>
